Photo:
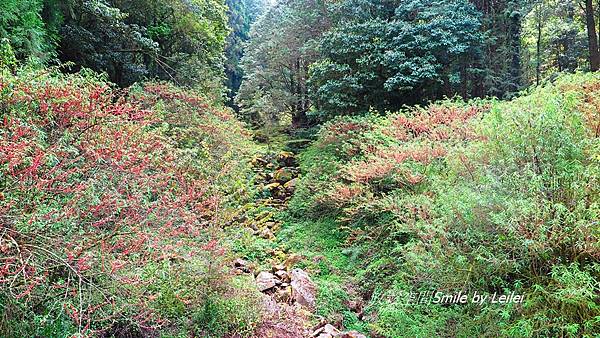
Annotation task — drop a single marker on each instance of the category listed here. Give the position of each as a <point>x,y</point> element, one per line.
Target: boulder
<point>304,291</point>
<point>266,233</point>
<point>330,329</point>
<point>290,186</point>
<point>259,161</point>
<point>283,175</point>
<point>265,281</point>
<point>286,159</point>
<point>273,186</point>
<point>326,331</point>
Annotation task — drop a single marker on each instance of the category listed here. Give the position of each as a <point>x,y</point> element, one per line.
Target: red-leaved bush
<point>488,197</point>
<point>418,138</point>
<point>101,188</point>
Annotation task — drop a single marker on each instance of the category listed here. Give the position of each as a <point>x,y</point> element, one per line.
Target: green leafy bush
<point>486,196</point>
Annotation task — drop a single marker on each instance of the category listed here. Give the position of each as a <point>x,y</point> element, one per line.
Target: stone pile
<point>278,174</point>
<point>288,287</point>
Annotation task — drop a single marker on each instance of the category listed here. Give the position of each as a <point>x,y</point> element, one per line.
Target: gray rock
<point>330,329</point>
<point>266,233</point>
<point>303,289</point>
<point>327,330</point>
<point>265,281</point>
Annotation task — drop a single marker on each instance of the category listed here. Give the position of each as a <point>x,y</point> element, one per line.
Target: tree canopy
<point>353,56</point>
<point>421,50</point>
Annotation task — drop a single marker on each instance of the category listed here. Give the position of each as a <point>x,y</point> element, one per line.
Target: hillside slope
<point>122,211</point>
<point>111,208</point>
<point>392,213</point>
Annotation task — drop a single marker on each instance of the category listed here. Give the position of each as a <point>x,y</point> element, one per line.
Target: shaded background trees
<point>282,47</point>
<point>376,54</point>
<point>178,40</point>
<point>175,40</point>
<point>242,13</point>
<point>313,57</point>
<point>555,40</point>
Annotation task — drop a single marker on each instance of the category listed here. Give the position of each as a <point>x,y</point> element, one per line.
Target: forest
<point>299,168</point>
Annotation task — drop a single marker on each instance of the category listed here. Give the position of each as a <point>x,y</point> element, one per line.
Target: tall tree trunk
<point>538,66</point>
<point>592,36</point>
<point>567,63</point>
<point>299,117</point>
<point>464,75</point>
<point>515,43</point>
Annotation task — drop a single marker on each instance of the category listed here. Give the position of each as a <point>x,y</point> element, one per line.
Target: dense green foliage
<point>181,41</point>
<point>241,15</point>
<point>397,55</point>
<point>490,197</point>
<point>175,40</point>
<point>331,58</point>
<point>276,63</point>
<point>405,150</point>
<point>21,23</point>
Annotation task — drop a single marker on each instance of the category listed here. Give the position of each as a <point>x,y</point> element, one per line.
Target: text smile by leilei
<point>439,297</point>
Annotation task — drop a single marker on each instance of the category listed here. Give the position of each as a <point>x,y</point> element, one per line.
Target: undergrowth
<point>111,208</point>
<point>485,196</point>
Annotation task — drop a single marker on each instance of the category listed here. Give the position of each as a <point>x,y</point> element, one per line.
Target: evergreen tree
<point>178,40</point>
<point>282,47</point>
<point>420,51</point>
<point>22,25</point>
<point>241,13</point>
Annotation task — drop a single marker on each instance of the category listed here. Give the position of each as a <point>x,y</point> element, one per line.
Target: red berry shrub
<point>103,192</point>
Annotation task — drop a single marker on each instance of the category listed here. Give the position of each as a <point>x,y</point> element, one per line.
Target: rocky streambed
<point>289,294</point>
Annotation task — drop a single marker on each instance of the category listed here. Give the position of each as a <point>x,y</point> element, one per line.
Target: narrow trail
<point>286,308</point>
<point>289,293</point>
